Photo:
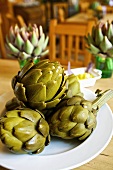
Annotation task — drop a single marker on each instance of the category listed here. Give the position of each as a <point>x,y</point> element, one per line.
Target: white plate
<point>63,154</point>
<point>89,81</point>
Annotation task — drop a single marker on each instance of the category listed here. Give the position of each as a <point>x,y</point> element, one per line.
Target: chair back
<point>67,43</point>
<point>61,15</point>
<point>57,6</point>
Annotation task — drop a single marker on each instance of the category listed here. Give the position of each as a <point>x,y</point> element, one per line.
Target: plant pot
<point>105,65</point>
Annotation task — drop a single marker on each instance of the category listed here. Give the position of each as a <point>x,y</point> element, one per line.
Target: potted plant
<point>100,45</point>
<point>24,43</point>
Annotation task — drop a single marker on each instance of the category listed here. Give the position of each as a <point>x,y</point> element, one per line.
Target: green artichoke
<point>26,42</point>
<point>100,41</point>
<point>24,131</point>
<point>40,86</point>
<point>76,117</point>
<point>73,87</point>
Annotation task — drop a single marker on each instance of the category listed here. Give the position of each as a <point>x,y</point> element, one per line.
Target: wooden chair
<point>61,15</point>
<point>67,43</point>
<point>15,20</point>
<point>57,6</point>
<point>2,45</point>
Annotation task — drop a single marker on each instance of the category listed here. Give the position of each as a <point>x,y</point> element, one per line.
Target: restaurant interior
<point>42,12</point>
<point>79,35</point>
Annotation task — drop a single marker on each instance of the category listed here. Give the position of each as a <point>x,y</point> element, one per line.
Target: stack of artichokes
<point>47,102</point>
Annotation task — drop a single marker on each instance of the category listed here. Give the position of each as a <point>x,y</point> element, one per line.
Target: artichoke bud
<point>102,36</point>
<point>24,131</point>
<point>33,82</point>
<point>27,39</point>
<point>76,117</point>
<point>73,86</point>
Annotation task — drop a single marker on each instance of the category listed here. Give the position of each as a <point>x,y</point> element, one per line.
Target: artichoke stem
<point>102,98</point>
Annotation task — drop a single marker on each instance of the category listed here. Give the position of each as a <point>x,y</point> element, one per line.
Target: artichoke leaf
<point>46,42</point>
<point>66,126</point>
<point>30,115</point>
<point>79,114</point>
<point>73,89</point>
<point>38,105</point>
<point>75,100</point>
<point>19,41</point>
<point>98,36</point>
<point>88,132</point>
<point>105,44</point>
<point>43,127</point>
<point>41,40</point>
<point>11,142</point>
<point>65,113</point>
<point>78,130</point>
<point>35,143</point>
<point>34,39</point>
<point>46,76</point>
<point>91,121</point>
<point>53,103</point>
<point>40,64</point>
<point>61,93</point>
<point>19,89</point>
<point>50,92</point>
<point>28,47</point>
<point>25,69</point>
<point>25,130</point>
<point>31,77</point>
<point>11,122</point>
<point>37,51</point>
<point>55,132</point>
<point>36,92</point>
<point>13,49</point>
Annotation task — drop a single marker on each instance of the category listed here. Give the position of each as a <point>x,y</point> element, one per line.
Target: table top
<point>9,68</point>
<point>84,17</point>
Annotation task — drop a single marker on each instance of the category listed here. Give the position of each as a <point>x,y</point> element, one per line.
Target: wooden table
<point>80,17</point>
<point>84,17</point>
<point>9,68</point>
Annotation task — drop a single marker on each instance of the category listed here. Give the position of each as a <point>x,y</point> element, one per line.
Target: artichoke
<point>100,41</point>
<point>24,131</point>
<point>73,87</point>
<point>40,86</point>
<point>26,42</point>
<point>76,117</point>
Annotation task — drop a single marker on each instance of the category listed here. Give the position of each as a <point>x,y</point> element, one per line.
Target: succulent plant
<point>24,131</point>
<point>26,42</point>
<point>100,41</point>
<point>76,117</point>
